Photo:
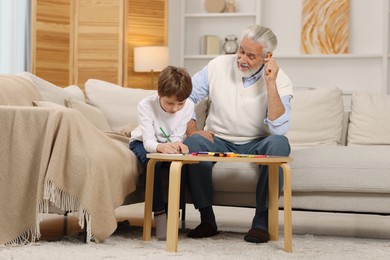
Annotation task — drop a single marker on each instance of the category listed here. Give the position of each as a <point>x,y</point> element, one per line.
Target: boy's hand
<point>182,147</point>
<point>172,148</point>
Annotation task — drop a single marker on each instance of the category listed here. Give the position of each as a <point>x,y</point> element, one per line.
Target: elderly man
<point>249,114</point>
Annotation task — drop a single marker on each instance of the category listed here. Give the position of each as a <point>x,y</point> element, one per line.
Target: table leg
<point>173,206</point>
<point>148,199</point>
<point>287,208</point>
<point>273,194</point>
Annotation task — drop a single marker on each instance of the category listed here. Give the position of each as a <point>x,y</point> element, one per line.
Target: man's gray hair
<point>263,36</point>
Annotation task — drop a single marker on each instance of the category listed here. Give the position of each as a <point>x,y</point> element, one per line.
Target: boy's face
<point>171,104</point>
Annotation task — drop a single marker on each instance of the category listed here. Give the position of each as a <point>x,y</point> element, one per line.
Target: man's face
<point>171,104</point>
<point>249,57</point>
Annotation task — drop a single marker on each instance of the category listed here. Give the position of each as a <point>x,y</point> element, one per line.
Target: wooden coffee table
<point>177,161</point>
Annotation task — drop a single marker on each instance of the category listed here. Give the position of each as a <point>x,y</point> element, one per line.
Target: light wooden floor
<point>239,220</point>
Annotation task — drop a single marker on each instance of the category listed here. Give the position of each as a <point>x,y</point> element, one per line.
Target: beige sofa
<point>340,159</point>
<point>352,176</point>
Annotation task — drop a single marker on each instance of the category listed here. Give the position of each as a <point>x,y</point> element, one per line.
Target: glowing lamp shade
<point>150,58</point>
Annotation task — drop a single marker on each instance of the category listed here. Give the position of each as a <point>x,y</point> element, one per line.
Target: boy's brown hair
<point>174,81</point>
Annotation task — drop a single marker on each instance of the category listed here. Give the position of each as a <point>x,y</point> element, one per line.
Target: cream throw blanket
<point>56,156</point>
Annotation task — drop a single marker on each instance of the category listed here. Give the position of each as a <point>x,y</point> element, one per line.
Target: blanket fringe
<point>66,202</point>
<point>30,235</point>
<point>60,199</point>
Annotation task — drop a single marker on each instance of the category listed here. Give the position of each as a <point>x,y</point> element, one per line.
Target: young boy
<point>163,121</point>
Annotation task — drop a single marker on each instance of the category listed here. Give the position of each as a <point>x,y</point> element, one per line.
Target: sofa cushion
<point>53,93</point>
<point>75,92</point>
<point>316,117</point>
<point>341,169</point>
<point>369,120</point>
<point>118,104</point>
<point>93,114</point>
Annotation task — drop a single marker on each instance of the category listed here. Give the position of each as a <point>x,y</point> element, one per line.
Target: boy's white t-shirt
<point>151,117</point>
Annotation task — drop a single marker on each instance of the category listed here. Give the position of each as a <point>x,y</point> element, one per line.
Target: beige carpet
<point>316,236</point>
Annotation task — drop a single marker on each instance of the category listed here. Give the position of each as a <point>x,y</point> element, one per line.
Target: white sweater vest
<point>236,113</point>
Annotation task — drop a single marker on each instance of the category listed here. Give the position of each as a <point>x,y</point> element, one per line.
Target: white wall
<point>174,22</point>
<point>365,68</point>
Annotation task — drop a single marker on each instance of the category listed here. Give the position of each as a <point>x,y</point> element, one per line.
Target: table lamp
<point>150,59</point>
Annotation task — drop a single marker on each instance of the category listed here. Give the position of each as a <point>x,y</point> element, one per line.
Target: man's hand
<point>271,68</point>
<point>206,134</point>
<point>192,129</point>
<point>275,105</point>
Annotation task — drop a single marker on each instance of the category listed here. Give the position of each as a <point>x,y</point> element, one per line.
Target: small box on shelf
<point>210,45</point>
<point>214,6</point>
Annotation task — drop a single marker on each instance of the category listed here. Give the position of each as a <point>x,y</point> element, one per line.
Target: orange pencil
<point>269,55</point>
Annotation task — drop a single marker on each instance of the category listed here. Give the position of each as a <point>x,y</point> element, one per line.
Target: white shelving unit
<point>365,68</point>
<point>196,22</point>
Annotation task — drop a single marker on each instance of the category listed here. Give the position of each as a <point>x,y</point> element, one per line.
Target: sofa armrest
<point>16,90</point>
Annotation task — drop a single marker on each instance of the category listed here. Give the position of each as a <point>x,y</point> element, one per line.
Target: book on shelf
<point>210,45</point>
